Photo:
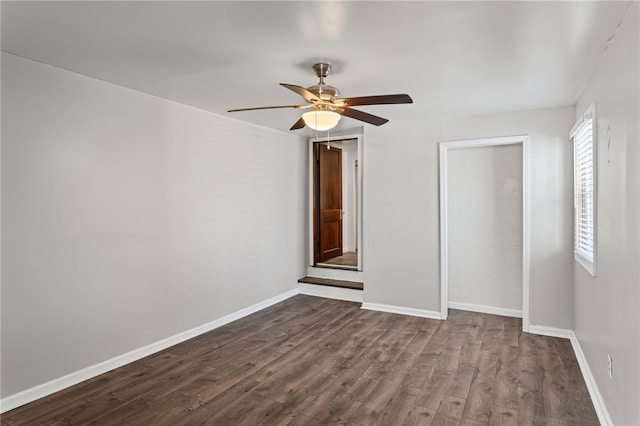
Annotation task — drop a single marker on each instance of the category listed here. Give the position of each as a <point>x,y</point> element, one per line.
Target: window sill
<point>586,264</point>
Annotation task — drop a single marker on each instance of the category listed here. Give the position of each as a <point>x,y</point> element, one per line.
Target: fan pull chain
<point>316,129</point>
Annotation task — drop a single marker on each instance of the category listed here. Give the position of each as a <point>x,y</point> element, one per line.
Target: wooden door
<point>328,202</point>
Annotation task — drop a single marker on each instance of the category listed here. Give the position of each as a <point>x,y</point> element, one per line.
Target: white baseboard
<point>402,310</point>
<point>55,385</point>
<point>594,392</point>
<point>592,387</point>
<point>339,293</point>
<point>543,330</point>
<point>494,310</point>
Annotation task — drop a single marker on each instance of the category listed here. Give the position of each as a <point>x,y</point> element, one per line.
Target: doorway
<point>335,203</point>
<point>501,229</point>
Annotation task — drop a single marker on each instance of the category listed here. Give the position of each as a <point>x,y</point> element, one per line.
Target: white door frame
<point>444,147</point>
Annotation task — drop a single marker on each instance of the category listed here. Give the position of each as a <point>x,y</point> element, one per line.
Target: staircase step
<point>355,285</point>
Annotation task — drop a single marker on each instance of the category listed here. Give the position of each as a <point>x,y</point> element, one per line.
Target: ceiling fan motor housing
<point>322,90</point>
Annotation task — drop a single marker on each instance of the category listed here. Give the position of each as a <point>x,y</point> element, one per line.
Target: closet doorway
<point>484,224</point>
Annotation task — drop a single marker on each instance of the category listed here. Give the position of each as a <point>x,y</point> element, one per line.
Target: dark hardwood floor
<point>313,361</point>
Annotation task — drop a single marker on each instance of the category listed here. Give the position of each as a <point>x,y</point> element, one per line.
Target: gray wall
<point>401,225</point>
<point>607,307</point>
<point>485,226</point>
<point>127,219</point>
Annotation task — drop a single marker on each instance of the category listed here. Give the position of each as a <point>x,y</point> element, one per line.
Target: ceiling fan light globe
<point>321,120</point>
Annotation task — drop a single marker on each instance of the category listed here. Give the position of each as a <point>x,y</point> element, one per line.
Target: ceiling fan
<point>327,106</point>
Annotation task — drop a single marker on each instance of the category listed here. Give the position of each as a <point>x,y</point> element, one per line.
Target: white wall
<point>401,225</point>
<point>484,187</point>
<point>607,307</point>
<point>127,218</point>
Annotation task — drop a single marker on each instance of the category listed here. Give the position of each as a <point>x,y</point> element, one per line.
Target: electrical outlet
<point>610,366</point>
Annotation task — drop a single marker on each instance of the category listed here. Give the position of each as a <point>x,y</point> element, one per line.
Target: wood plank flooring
<point>313,361</point>
<point>349,258</point>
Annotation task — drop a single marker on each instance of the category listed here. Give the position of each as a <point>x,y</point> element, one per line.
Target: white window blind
<point>584,174</point>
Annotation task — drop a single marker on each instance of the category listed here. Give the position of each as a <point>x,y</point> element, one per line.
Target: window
<point>584,156</point>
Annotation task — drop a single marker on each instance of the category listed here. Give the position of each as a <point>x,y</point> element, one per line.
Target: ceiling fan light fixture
<point>321,120</point>
<point>325,101</point>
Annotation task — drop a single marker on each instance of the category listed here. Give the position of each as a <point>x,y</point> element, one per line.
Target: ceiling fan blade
<point>307,95</point>
<point>363,116</point>
<point>298,124</point>
<point>377,100</point>
<point>269,107</point>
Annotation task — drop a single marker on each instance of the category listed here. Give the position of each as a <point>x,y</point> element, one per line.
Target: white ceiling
<point>452,57</point>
